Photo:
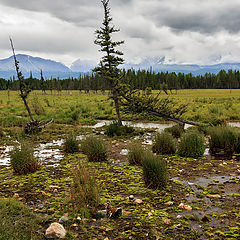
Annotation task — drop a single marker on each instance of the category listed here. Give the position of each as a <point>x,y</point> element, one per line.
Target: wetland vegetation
<point>198,198</point>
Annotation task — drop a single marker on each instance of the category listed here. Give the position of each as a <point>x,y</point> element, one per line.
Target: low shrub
<point>37,106</point>
<point>191,145</point>
<point>70,144</point>
<point>176,130</point>
<point>22,159</point>
<point>75,115</point>
<point>223,138</point>
<point>203,129</point>
<point>154,171</point>
<point>94,148</point>
<point>164,144</point>
<point>136,153</point>
<point>84,192</point>
<point>114,129</point>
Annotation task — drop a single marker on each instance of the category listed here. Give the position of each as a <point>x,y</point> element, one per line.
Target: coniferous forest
<point>137,79</point>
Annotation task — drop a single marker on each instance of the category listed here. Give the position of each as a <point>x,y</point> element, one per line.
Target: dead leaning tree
<point>32,126</point>
<point>136,102</point>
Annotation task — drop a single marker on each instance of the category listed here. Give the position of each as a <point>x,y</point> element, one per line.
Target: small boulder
<point>214,196</point>
<point>55,230</point>
<point>131,197</point>
<point>167,221</point>
<point>168,203</point>
<point>138,201</point>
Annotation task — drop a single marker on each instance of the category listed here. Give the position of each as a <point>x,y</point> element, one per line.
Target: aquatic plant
<point>154,170</point>
<point>84,191</point>
<point>22,159</point>
<point>223,138</point>
<point>191,145</point>
<point>70,144</point>
<point>94,148</point>
<point>136,153</point>
<point>164,144</point>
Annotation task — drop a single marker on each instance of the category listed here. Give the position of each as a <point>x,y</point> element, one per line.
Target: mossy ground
<point>47,193</point>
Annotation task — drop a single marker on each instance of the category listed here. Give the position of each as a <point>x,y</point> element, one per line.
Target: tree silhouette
<point>108,66</point>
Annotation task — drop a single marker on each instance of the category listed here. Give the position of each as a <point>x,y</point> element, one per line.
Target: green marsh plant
<point>223,138</point>
<point>191,145</point>
<point>84,191</point>
<point>94,148</point>
<point>154,171</point>
<point>22,159</point>
<point>164,144</point>
<point>136,153</point>
<point>70,144</point>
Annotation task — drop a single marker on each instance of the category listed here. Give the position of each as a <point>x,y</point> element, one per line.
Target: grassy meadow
<point>73,107</point>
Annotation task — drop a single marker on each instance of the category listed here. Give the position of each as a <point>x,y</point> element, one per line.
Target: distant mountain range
<point>56,69</point>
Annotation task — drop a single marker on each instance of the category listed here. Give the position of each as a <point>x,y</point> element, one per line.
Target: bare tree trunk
<point>116,101</point>
<point>28,109</point>
<point>24,92</point>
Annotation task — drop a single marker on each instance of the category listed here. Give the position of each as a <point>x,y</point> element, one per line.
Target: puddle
<point>159,126</point>
<point>44,152</point>
<point>144,125</point>
<point>4,155</point>
<point>147,142</point>
<point>48,153</point>
<point>205,181</point>
<point>234,124</point>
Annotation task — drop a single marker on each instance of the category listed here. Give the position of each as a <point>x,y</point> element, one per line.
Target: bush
<point>154,171</point>
<point>94,148</point>
<point>114,129</point>
<point>223,138</point>
<point>37,106</point>
<point>22,159</point>
<point>84,192</point>
<point>191,145</point>
<point>164,144</point>
<point>70,144</point>
<point>136,154</point>
<point>75,115</point>
<point>176,130</point>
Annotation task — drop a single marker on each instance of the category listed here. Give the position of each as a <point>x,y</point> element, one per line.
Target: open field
<point>208,186</point>
<point>74,108</point>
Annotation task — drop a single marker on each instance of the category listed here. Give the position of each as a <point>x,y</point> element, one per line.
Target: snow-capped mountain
<point>159,64</point>
<point>83,65</point>
<point>56,69</point>
<point>35,64</point>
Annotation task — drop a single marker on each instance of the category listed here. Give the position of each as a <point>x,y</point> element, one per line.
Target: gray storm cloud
<point>188,31</point>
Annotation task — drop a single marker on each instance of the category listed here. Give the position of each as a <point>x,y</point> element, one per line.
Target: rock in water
<point>55,230</point>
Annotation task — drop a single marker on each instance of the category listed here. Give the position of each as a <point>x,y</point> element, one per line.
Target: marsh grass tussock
<point>94,148</point>
<point>154,171</point>
<point>22,159</point>
<point>84,191</point>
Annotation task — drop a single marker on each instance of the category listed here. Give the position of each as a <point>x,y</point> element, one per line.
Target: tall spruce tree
<point>108,66</point>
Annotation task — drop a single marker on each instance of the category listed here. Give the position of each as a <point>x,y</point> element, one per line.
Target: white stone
<point>55,230</point>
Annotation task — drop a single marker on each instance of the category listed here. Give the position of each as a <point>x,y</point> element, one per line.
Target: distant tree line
<point>137,79</point>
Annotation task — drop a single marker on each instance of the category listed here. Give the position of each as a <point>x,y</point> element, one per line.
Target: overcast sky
<point>185,31</point>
